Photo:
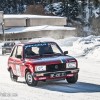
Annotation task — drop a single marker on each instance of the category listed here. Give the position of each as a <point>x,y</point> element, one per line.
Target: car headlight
<point>71,65</point>
<point>40,68</point>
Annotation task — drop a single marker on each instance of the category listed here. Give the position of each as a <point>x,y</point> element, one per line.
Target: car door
<point>19,63</point>
<point>11,60</point>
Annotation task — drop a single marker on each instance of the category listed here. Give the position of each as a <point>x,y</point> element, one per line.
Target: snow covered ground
<point>36,28</point>
<point>86,50</point>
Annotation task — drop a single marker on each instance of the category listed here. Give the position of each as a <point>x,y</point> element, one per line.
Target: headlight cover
<point>40,68</point>
<point>71,65</point>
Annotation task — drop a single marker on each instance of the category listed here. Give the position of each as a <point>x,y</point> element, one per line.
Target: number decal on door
<point>18,71</point>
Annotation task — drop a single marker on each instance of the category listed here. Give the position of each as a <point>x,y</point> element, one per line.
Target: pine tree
<point>13,6</point>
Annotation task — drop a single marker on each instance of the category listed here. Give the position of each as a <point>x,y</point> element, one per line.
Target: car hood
<point>51,60</point>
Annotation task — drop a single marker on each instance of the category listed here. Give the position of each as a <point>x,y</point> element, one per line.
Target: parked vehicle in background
<point>41,61</point>
<point>7,46</point>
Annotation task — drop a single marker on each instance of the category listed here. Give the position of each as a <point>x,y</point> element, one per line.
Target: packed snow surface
<point>87,87</point>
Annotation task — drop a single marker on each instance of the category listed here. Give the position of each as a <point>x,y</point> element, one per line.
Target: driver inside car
<point>45,50</point>
<point>29,52</point>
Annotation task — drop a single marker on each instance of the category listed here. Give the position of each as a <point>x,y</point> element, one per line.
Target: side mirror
<point>65,52</point>
<point>19,56</point>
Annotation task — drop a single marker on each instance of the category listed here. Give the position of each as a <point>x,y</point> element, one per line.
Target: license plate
<point>57,75</point>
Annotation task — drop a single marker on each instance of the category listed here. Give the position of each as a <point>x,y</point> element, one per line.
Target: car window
<point>9,44</point>
<point>55,49</point>
<point>35,50</point>
<point>13,54</point>
<point>19,52</point>
<point>41,49</point>
<point>46,50</point>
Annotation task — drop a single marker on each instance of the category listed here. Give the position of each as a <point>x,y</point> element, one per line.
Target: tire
<point>72,79</point>
<point>2,52</point>
<point>13,77</point>
<point>29,79</point>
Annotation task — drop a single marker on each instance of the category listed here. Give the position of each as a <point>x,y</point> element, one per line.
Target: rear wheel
<point>13,77</point>
<point>72,79</point>
<point>29,79</point>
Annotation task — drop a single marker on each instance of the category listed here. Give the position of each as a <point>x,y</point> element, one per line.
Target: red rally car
<point>41,61</point>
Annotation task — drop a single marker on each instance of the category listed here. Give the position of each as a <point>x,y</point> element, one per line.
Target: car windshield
<point>39,49</point>
<point>9,44</point>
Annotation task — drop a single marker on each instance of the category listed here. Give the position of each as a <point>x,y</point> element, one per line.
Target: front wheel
<point>29,79</point>
<point>13,77</point>
<point>72,79</point>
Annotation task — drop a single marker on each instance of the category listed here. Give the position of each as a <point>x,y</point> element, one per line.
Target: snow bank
<point>88,46</point>
<point>95,54</point>
<point>67,41</point>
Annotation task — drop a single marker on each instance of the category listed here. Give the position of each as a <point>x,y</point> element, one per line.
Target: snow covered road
<point>87,87</point>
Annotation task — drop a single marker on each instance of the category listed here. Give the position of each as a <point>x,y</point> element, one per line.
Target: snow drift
<point>88,46</point>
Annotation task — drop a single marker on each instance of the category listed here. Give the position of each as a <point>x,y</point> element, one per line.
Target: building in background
<point>25,27</point>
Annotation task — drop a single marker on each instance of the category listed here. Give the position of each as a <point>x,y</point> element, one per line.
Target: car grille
<point>56,67</point>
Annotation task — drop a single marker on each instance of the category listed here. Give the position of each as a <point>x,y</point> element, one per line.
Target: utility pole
<point>3,33</point>
<point>66,10</point>
<point>2,25</point>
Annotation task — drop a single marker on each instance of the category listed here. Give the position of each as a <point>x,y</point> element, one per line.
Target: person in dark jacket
<point>29,52</point>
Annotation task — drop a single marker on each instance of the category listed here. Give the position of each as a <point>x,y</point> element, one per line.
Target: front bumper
<point>55,75</point>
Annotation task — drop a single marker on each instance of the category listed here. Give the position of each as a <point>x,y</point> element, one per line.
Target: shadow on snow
<point>79,87</point>
<point>61,86</point>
